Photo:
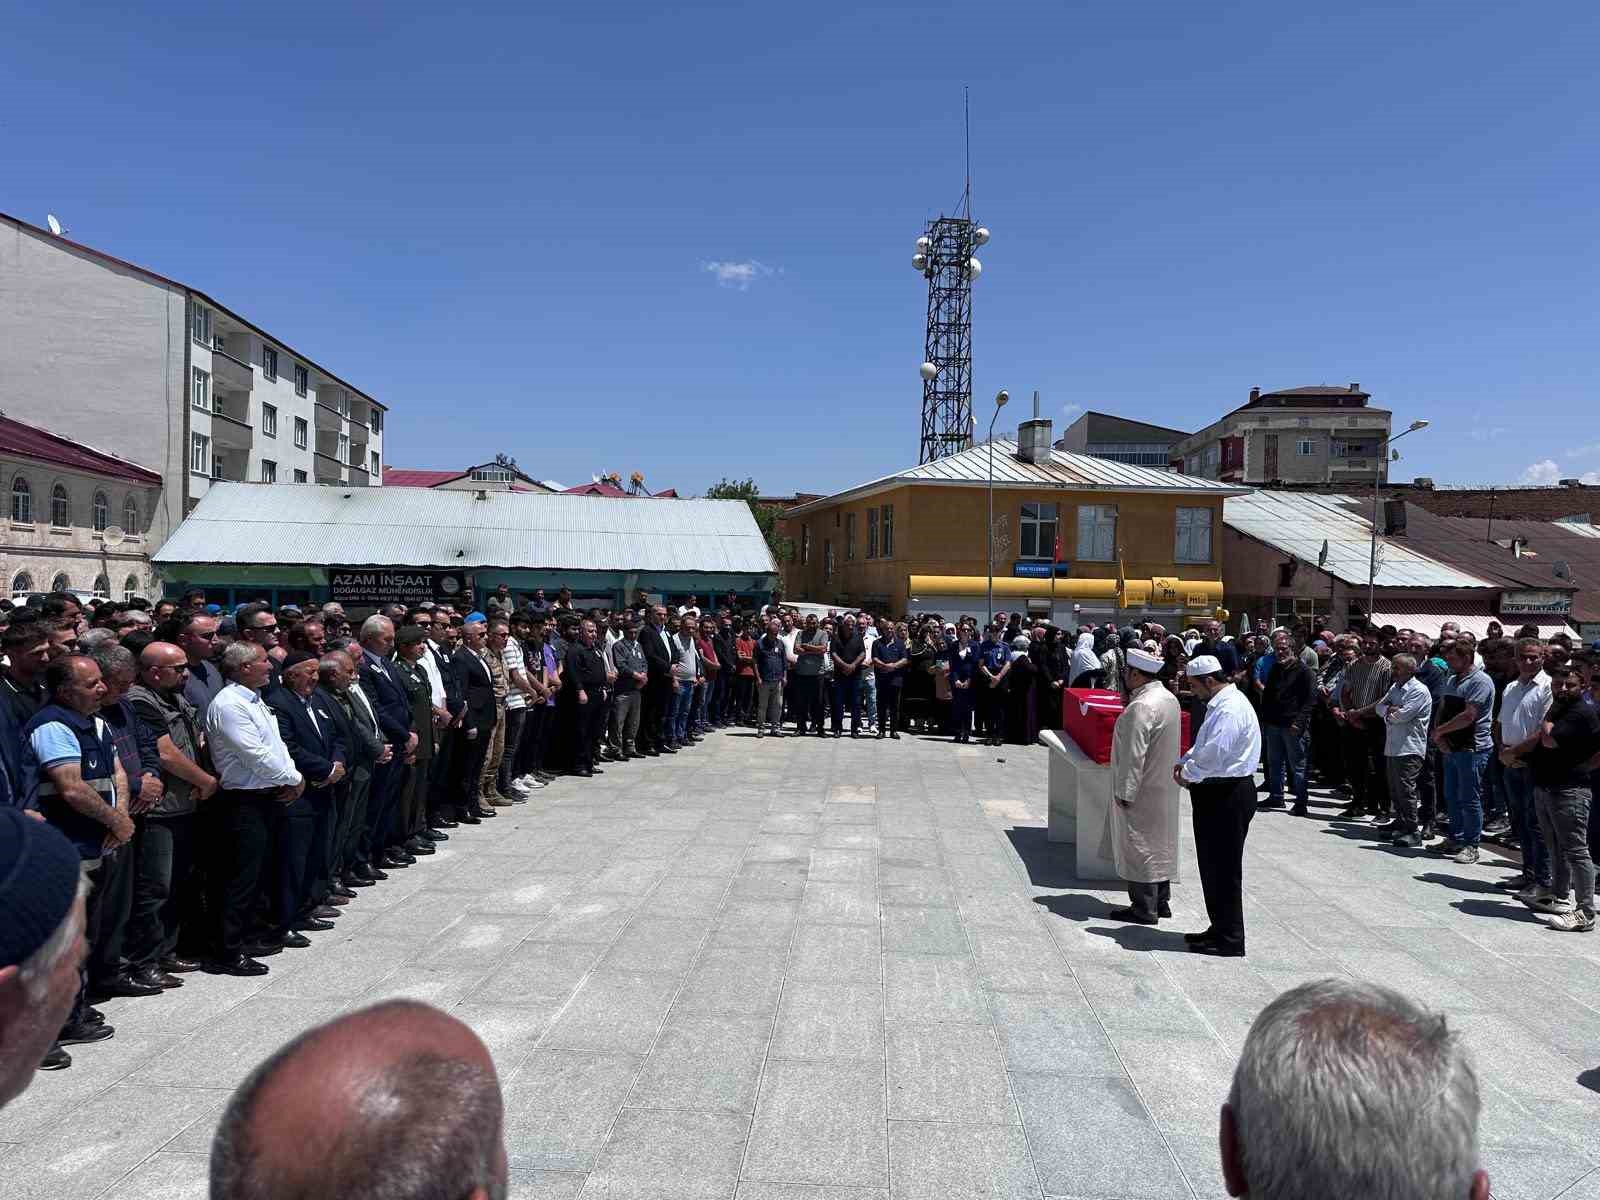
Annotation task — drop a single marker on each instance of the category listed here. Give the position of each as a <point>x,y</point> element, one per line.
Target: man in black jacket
<point>303,838</point>
<point>358,725</point>
<point>1287,697</point>
<point>585,676</point>
<point>382,685</point>
<point>477,721</point>
<point>658,687</point>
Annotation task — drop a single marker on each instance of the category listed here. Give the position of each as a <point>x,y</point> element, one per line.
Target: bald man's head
<point>398,1101</point>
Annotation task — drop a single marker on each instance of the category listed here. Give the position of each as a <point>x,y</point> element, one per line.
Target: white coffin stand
<point>1080,794</point>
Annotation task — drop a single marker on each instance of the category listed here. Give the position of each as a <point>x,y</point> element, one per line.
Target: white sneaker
<point>1573,921</point>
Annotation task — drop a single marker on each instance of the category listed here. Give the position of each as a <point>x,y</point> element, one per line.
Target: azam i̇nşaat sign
<point>371,587</point>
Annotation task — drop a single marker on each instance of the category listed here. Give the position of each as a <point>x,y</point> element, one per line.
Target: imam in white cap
<point>1142,660</point>
<point>1203,664</point>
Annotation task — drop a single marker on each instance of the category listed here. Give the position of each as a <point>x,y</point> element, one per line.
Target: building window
<point>1038,529</point>
<point>60,507</point>
<point>300,433</point>
<point>219,463</point>
<point>299,476</point>
<point>1213,457</point>
<point>805,544</point>
<point>1194,536</point>
<point>1305,447</point>
<point>22,586</point>
<point>21,501</point>
<point>130,517</point>
<point>375,420</point>
<point>130,588</point>
<point>493,475</point>
<point>199,453</point>
<point>102,587</point>
<point>269,362</point>
<point>200,325</point>
<point>61,583</point>
<point>269,420</point>
<point>849,537</point>
<point>1097,532</point>
<point>888,531</point>
<point>200,391</point>
<point>1191,465</point>
<point>827,560</point>
<point>302,380</point>
<point>375,461</point>
<point>102,512</point>
<point>872,533</point>
<point>342,451</point>
<point>269,471</point>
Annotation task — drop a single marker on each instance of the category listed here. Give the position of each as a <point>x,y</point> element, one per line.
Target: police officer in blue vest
<point>961,663</point>
<point>994,664</point>
<point>71,774</point>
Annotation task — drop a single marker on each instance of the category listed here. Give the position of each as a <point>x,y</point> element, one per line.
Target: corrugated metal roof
<point>315,525</point>
<point>1064,469</point>
<point>1297,523</point>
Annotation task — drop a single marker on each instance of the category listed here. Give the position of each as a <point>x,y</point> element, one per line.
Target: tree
<point>766,515</point>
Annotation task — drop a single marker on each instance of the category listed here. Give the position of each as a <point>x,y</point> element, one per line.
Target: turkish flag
<point>1056,555</point>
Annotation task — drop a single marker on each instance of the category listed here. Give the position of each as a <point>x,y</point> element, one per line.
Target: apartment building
<point>162,375</point>
<point>1119,439</point>
<point>1317,434</point>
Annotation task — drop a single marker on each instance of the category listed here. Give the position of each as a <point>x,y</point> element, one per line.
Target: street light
<point>1377,476</point>
<point>999,402</point>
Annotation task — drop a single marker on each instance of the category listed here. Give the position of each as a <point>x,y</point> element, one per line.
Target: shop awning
<point>1134,593</point>
<point>1427,618</point>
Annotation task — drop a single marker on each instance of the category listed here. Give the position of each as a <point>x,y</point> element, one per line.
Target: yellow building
<point>1127,542</point>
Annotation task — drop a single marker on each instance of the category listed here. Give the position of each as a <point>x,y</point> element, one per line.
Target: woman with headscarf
<point>1085,669</point>
<point>1048,682</point>
<point>1022,721</point>
<point>917,699</point>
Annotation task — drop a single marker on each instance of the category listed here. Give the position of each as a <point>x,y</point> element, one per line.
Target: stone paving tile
<point>820,1123</point>
<point>656,1155</point>
<point>947,1072</point>
<point>806,1191</point>
<point>560,1105</point>
<point>936,1162</point>
<point>164,1176</point>
<point>920,987</point>
<point>225,1050</point>
<point>1052,1031</point>
<point>839,903</point>
<point>545,1185</point>
<point>1091,1138</point>
<point>734,979</point>
<point>537,971</point>
<point>668,944</point>
<point>614,1012</point>
<point>835,1021</point>
<point>853,953</point>
<point>710,1063</point>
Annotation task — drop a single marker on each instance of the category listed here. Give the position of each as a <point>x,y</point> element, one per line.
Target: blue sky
<point>506,227</point>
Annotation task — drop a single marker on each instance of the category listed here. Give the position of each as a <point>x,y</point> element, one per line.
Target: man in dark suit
<point>586,686</point>
<point>358,724</point>
<point>436,663</point>
<point>301,880</point>
<point>477,721</point>
<point>653,640</point>
<point>392,705</point>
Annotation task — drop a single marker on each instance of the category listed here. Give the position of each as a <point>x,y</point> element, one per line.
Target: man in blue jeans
<point>1523,706</point>
<point>1464,739</point>
<point>1288,694</point>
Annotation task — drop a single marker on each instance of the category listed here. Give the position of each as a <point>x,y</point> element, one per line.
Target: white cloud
<point>1489,435</point>
<point>1071,410</point>
<point>738,275</point>
<point>1543,471</point>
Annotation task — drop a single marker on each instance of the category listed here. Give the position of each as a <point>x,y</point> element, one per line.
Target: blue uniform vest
<point>98,761</point>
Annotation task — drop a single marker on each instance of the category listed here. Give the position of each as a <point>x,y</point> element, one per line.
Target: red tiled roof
<point>40,445</point>
<point>595,489</point>
<point>402,477</point>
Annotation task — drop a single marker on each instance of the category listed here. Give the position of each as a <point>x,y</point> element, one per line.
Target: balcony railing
<point>231,371</point>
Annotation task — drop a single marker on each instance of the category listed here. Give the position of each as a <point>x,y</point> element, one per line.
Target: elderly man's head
<point>377,635</point>
<point>74,682</point>
<point>1337,1064</point>
<point>397,1099</point>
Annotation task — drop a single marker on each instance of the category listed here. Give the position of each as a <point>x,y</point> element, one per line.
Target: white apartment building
<point>1318,434</point>
<point>155,372</point>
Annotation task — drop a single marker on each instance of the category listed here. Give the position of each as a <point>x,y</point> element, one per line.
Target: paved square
<point>844,970</point>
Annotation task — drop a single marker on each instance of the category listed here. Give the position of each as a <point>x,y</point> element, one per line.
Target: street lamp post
<point>1377,477</point>
<point>999,402</point>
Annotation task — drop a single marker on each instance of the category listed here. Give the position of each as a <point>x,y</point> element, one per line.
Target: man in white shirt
<point>1219,772</point>
<point>1522,711</point>
<point>257,776</point>
<point>869,678</point>
<point>1405,710</point>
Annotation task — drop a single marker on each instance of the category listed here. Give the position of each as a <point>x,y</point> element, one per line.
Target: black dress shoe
<point>314,924</point>
<point>596,771</point>
<point>470,819</point>
<point>262,949</point>
<point>326,911</point>
<point>1163,909</point>
<point>392,862</point>
<point>342,890</point>
<point>56,1060</point>
<point>585,772</point>
<point>487,812</point>
<point>154,976</point>
<point>1131,915</point>
<point>403,854</point>
<point>442,823</point>
<point>1268,803</point>
<point>295,940</point>
<point>338,900</point>
<point>419,845</point>
<point>174,965</point>
<point>1216,950</point>
<point>1299,810</point>
<point>239,964</point>
<point>358,881</point>
<point>122,984</point>
<point>1197,939</point>
<point>435,835</point>
<point>93,1015</point>
<point>81,1033</point>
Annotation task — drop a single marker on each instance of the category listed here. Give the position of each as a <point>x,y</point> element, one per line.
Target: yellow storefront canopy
<point>1160,592</point>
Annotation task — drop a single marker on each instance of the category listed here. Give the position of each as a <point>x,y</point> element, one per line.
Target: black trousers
<point>991,708</point>
<point>467,763</point>
<point>1222,812</point>
<point>162,893</point>
<point>106,914</point>
<point>888,707</point>
<point>535,737</point>
<point>589,721</point>
<point>294,832</point>
<point>808,703</point>
<point>1148,899</point>
<point>384,795</point>
<point>238,846</point>
<point>654,699</point>
<point>439,798</point>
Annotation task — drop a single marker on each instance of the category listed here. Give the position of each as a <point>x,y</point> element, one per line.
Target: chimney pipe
<point>1035,404</point>
<point>1255,394</point>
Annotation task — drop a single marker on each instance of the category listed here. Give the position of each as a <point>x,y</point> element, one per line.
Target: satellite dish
<point>55,225</point>
<point>113,535</point>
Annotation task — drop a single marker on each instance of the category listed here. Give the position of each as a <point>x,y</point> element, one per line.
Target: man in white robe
<point>1142,821</point>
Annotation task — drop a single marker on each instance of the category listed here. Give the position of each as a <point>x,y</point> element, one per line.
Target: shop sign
<point>1022,569</point>
<point>370,587</point>
<point>1535,604</point>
